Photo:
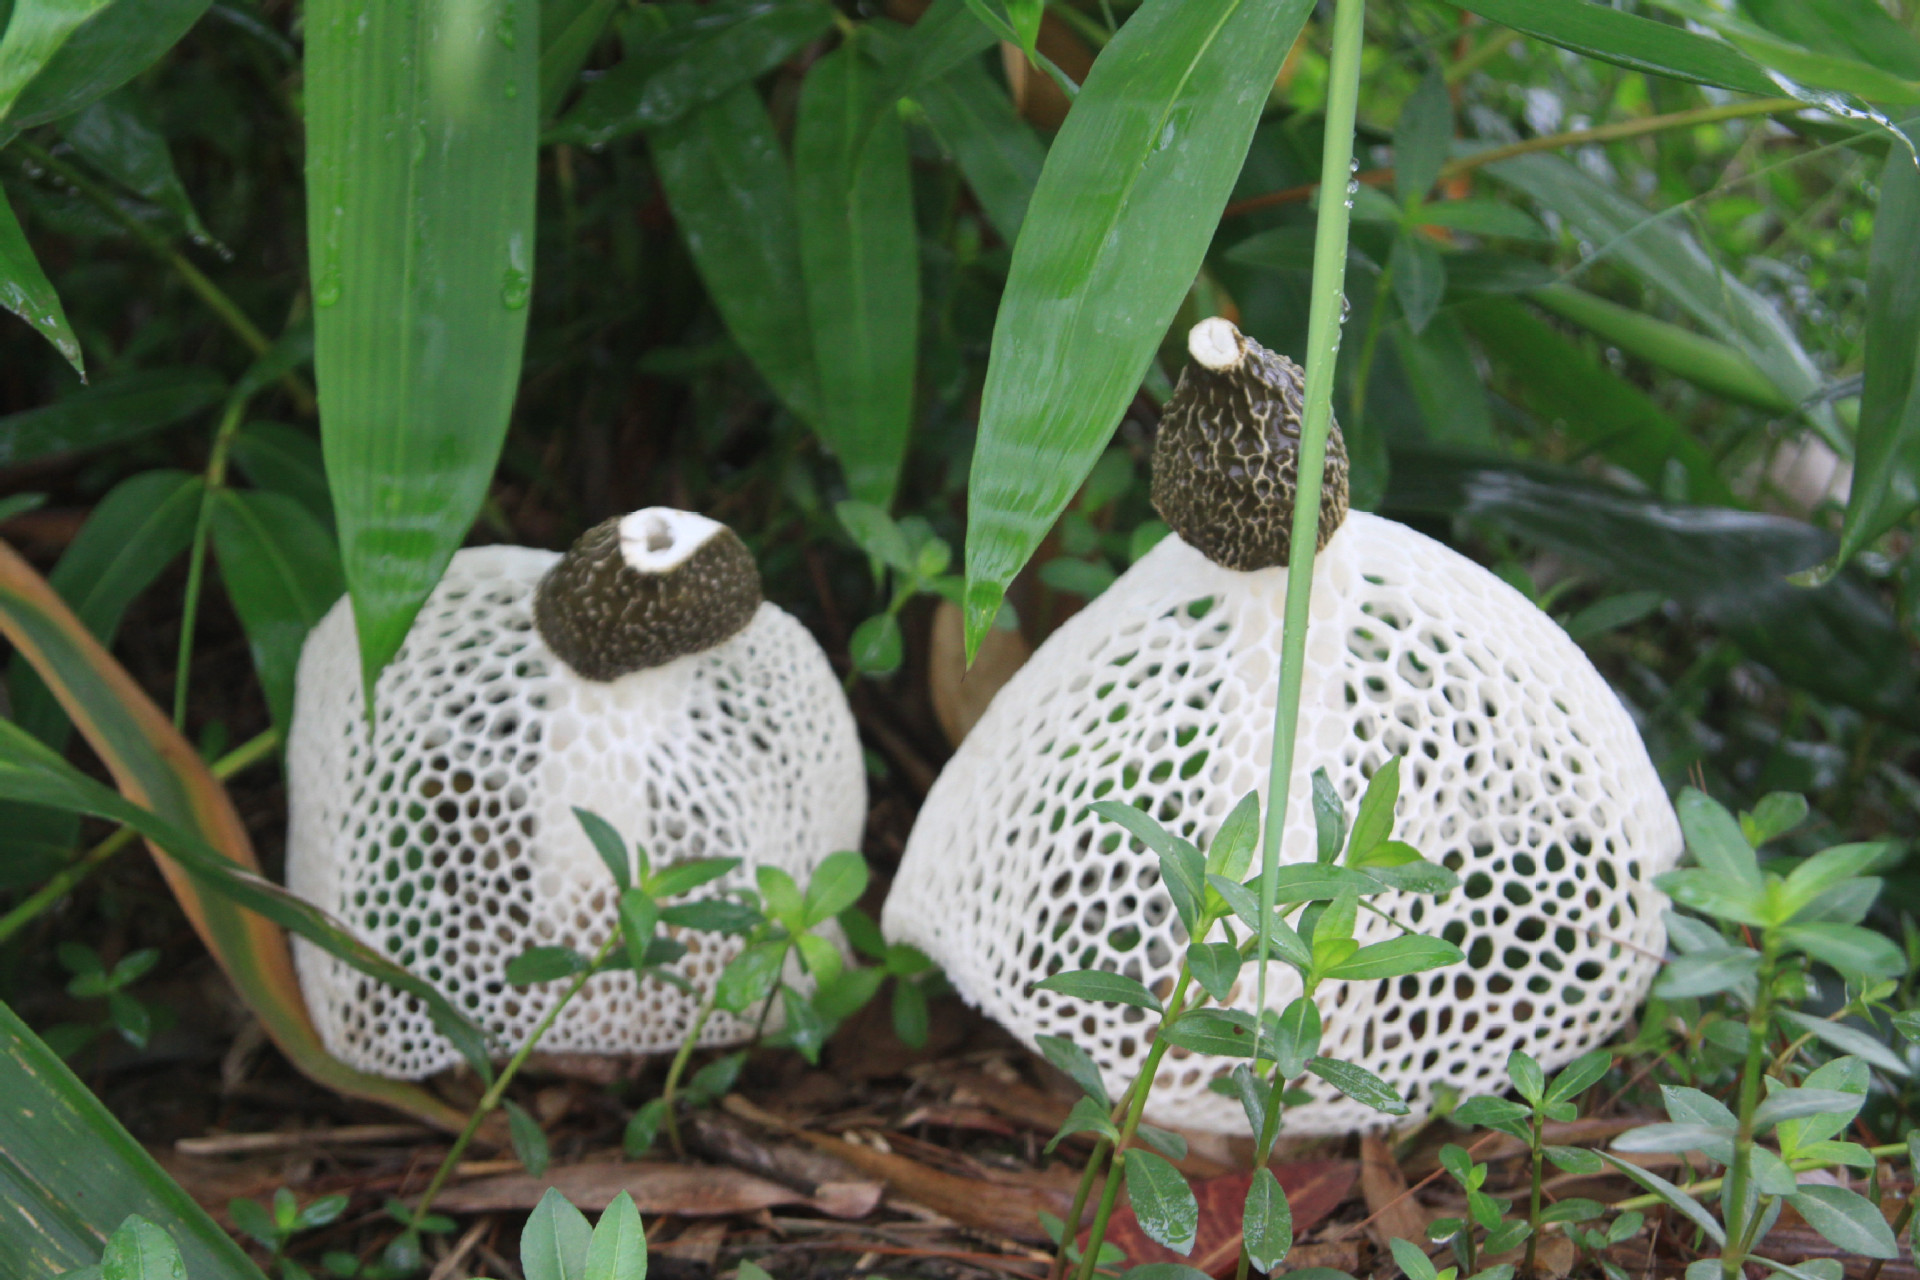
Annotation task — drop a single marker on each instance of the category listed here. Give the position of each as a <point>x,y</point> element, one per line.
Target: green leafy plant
<point>1277,1052</point>
<point>1811,913</point>
<point>274,1225</point>
<point>92,980</point>
<point>1543,1101</point>
<point>915,559</point>
<point>1485,1212</point>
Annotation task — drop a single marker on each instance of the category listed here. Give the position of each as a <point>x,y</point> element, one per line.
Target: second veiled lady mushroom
<point>1520,770</point>
<point>640,676</point>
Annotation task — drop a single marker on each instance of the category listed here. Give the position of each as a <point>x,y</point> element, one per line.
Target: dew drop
<point>516,282</point>
<point>326,288</point>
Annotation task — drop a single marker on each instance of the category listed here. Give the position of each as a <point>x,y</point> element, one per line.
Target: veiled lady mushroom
<point>1520,770</point>
<point>639,676</point>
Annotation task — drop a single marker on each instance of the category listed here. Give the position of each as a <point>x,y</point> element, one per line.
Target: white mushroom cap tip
<point>657,539</point>
<point>1215,343</point>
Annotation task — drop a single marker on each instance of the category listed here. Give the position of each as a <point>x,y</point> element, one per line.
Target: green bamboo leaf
<point>1886,476</point>
<point>168,784</point>
<point>860,255</point>
<point>286,460</point>
<point>1420,138</point>
<point>420,182</point>
<point>947,36</point>
<point>282,574</point>
<point>56,58</point>
<point>26,291</point>
<point>1840,641</point>
<point>998,152</point>
<point>726,181</point>
<point>1447,384</point>
<point>1483,218</point>
<point>1865,32</point>
<point>1125,208</point>
<point>1419,278</point>
<point>1670,261</point>
<point>1639,44</point>
<point>1707,364</point>
<point>107,413</point>
<point>1163,1203</point>
<point>70,1174</point>
<point>730,43</point>
<point>116,136</point>
<point>568,31</point>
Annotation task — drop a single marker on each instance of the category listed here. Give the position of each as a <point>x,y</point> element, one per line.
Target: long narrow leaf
<point>1639,44</point>
<point>70,1174</point>
<point>996,150</point>
<point>282,573</point>
<point>116,137</point>
<point>727,183</point>
<point>165,781</point>
<point>1886,475</point>
<point>112,42</point>
<point>860,255</point>
<point>26,291</point>
<point>1671,261</point>
<point>1126,206</point>
<point>420,181</point>
<point>107,413</point>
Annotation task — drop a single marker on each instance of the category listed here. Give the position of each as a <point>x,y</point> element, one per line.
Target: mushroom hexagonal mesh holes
<point>1520,770</point>
<point>446,839</point>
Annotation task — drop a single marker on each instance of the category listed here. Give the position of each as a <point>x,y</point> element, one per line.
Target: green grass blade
<point>996,150</point>
<point>859,252</point>
<point>1125,208</point>
<point>114,42</point>
<point>70,1174</point>
<point>1599,409</point>
<point>1446,384</point>
<point>420,182</point>
<point>107,413</point>
<point>1639,44</point>
<point>285,460</point>
<point>727,184</point>
<point>26,291</point>
<point>1886,477</point>
<point>282,573</point>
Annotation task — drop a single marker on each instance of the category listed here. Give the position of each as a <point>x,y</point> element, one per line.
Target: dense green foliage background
<point>1623,310</point>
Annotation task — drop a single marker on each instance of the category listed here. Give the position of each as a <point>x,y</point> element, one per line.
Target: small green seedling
<point>917,558</point>
<point>92,980</point>
<point>274,1225</point>
<point>1484,1211</point>
<point>137,1250</point>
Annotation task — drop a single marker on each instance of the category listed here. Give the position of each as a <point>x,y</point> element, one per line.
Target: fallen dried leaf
<point>1394,1215</point>
<point>1315,1188</point>
<point>961,693</point>
<point>687,1191</point>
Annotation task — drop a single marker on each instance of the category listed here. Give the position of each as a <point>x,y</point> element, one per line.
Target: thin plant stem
<point>216,299</point>
<point>241,757</point>
<point>1539,1176</point>
<point>1495,45</point>
<point>1618,131</point>
<point>1081,1193</point>
<point>1135,1102</point>
<point>491,1099</point>
<point>1324,314</point>
<point>215,480</point>
<point>679,1067</point>
<point>1734,1202</point>
<point>1363,367</point>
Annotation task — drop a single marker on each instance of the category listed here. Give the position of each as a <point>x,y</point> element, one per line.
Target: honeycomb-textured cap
<point>643,589</point>
<point>1226,459</point>
<point>1520,770</point>
<point>446,838</point>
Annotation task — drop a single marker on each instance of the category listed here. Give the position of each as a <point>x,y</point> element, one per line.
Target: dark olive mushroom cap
<point>643,589</point>
<point>1227,455</point>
